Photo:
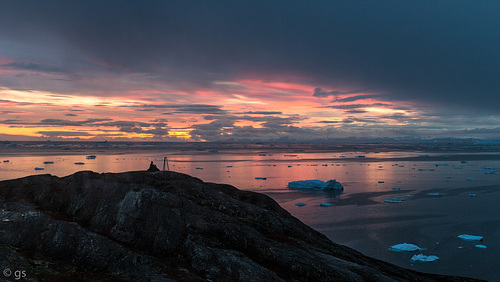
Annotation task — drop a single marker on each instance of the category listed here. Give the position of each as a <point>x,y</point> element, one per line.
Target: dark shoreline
<point>213,231</point>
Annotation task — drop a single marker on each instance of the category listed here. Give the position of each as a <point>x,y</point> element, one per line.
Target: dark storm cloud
<point>435,51</point>
<point>359,97</point>
<point>63,133</point>
<point>28,66</point>
<point>318,92</point>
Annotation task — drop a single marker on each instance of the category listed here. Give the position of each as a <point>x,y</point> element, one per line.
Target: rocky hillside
<point>163,226</point>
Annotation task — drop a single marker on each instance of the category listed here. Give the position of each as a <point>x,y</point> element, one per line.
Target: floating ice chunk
<point>470,237</point>
<point>300,204</point>
<point>435,194</point>
<point>405,247</point>
<point>325,205</point>
<point>316,184</point>
<point>481,246</point>
<point>469,178</point>
<point>424,258</point>
<point>392,201</point>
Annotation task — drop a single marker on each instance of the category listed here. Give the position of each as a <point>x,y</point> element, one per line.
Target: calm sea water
<point>358,217</point>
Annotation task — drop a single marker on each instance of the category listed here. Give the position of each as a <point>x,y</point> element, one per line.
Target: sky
<point>247,71</point>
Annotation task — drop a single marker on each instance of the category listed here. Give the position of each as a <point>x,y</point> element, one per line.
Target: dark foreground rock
<point>163,226</point>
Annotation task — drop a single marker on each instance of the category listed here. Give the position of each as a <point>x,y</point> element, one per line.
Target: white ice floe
<point>316,184</point>
<point>405,247</point>
<point>325,205</point>
<point>481,246</point>
<point>470,237</point>
<point>300,204</point>
<point>392,201</point>
<point>424,258</point>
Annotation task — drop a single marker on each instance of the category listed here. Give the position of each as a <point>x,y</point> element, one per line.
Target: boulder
<point>167,226</point>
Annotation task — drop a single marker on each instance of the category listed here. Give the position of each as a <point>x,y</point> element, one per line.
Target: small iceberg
<point>424,258</point>
<point>325,205</point>
<point>316,184</point>
<point>79,163</point>
<point>481,246</point>
<point>470,237</point>
<point>300,204</point>
<point>393,201</point>
<point>405,247</point>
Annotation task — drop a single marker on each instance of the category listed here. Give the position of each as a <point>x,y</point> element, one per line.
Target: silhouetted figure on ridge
<point>152,167</point>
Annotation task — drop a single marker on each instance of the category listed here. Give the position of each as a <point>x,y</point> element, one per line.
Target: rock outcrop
<point>165,226</point>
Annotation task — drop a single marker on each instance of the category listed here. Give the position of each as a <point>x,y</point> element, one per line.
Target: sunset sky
<point>249,70</point>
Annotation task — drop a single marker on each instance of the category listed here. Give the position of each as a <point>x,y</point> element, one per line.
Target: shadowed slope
<point>167,225</point>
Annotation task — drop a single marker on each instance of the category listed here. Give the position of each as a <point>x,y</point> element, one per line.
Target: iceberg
<point>470,237</point>
<point>405,247</point>
<point>424,258</point>
<point>316,184</point>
